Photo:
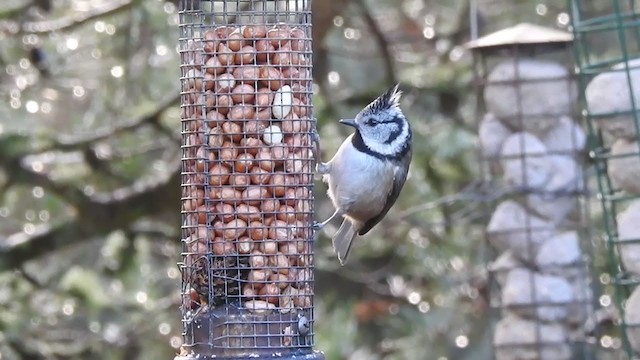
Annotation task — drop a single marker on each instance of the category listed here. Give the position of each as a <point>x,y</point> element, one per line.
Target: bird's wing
<point>399,177</point>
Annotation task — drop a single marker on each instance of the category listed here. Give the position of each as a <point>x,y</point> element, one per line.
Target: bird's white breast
<point>359,183</point>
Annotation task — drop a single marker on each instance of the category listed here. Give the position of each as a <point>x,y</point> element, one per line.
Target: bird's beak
<point>350,122</point>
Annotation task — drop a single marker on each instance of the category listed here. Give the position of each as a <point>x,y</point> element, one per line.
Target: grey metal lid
<point>521,34</point>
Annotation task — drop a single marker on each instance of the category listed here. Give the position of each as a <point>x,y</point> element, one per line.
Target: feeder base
<point>315,355</point>
<point>233,332</point>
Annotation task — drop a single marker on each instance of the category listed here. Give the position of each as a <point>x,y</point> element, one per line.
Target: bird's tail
<point>343,239</point>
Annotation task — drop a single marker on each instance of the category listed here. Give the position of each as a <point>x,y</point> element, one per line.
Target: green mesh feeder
<point>607,47</point>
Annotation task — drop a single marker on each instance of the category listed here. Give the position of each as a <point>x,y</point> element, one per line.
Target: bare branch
<point>13,147</point>
<point>15,11</point>
<point>66,23</point>
<point>323,14</point>
<point>380,39</point>
<point>19,174</point>
<point>96,216</point>
<point>20,247</point>
<point>74,143</point>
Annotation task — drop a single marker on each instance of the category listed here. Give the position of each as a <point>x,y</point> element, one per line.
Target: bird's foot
<point>321,168</point>
<point>317,226</point>
<point>315,137</point>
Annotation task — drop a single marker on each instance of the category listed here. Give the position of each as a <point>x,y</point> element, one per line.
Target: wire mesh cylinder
<point>531,146</point>
<point>247,181</point>
<point>608,54</point>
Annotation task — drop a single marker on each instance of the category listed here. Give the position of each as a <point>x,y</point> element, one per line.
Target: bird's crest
<point>388,100</point>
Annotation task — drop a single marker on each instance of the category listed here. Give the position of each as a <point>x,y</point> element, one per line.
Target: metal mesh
<point>531,151</point>
<point>607,50</point>
<point>247,181</point>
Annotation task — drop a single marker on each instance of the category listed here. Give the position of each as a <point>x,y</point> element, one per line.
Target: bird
<point>367,173</point>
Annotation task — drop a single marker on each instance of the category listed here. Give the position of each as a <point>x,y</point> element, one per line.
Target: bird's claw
<point>315,138</point>
<point>322,168</point>
<point>317,226</point>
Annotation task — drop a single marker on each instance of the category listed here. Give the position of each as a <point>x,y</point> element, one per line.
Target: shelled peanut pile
<point>247,167</point>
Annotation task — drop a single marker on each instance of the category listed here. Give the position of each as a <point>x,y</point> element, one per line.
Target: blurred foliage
<point>89,178</point>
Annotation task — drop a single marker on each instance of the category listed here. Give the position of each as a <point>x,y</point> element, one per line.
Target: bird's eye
<point>369,121</point>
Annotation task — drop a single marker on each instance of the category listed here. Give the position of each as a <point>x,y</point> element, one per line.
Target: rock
<point>607,139</point>
<point>633,63</point>
<point>609,92</point>
<point>566,138</point>
<point>632,319</point>
<point>628,230</point>
<point>582,306</point>
<point>501,266</point>
<point>559,252</point>
<point>561,256</point>
<point>556,200</point>
<point>542,94</point>
<point>513,228</point>
<point>492,134</point>
<point>524,161</point>
<point>552,207</point>
<point>566,175</point>
<point>518,339</point>
<point>525,291</point>
<point>625,169</point>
